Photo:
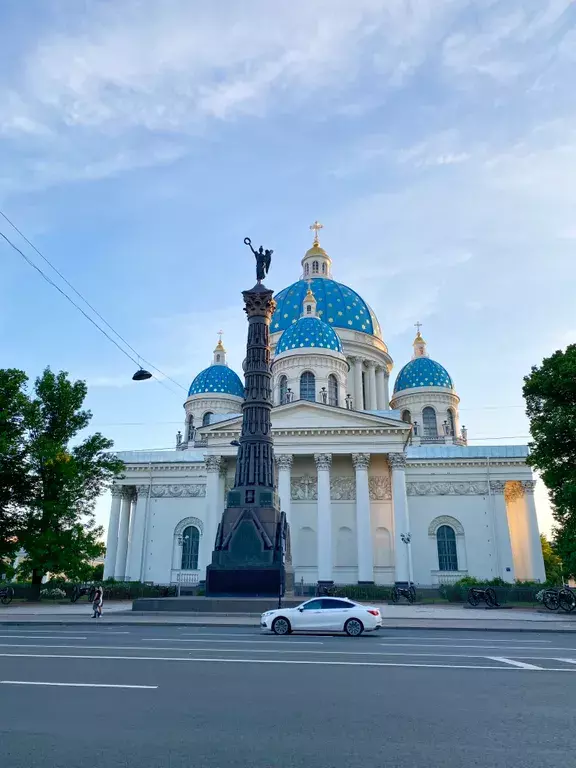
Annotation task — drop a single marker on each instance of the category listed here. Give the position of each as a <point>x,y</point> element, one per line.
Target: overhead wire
<point>51,282</point>
<point>85,300</point>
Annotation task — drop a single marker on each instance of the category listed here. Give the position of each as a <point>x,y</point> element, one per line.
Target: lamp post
<point>407,538</point>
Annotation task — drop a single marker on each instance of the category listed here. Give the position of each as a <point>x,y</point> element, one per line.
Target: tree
<point>552,563</point>
<point>550,393</point>
<point>54,515</point>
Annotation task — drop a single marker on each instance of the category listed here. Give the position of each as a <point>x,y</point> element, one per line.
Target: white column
<point>372,401</point>
<point>112,537</point>
<point>363,519</point>
<point>213,514</point>
<point>386,391</point>
<point>284,462</point>
<point>397,463</point>
<point>358,396</point>
<point>323,464</point>
<point>503,542</point>
<point>380,403</point>
<point>536,559</point>
<point>137,531</point>
<point>123,528</point>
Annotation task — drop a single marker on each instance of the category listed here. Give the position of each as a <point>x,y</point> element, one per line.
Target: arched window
<point>315,267</point>
<point>206,418</point>
<point>283,390</point>
<point>308,309</point>
<point>451,423</point>
<point>323,268</point>
<point>308,386</point>
<point>447,554</point>
<point>217,358</point>
<point>407,417</point>
<point>429,422</point>
<point>332,390</point>
<point>190,544</point>
<point>190,427</point>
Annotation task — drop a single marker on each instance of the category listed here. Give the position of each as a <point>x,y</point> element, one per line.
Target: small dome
<point>337,305</point>
<point>217,379</point>
<point>423,372</point>
<point>309,332</point>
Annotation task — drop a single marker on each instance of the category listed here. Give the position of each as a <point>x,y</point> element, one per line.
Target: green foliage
<point>552,563</point>
<point>50,480</point>
<point>550,393</point>
<point>97,572</point>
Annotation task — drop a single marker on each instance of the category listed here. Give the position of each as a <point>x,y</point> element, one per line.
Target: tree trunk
<point>37,577</point>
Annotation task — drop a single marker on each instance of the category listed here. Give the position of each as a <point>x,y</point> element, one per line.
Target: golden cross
<point>316,227</point>
<point>418,325</point>
<point>220,336</point>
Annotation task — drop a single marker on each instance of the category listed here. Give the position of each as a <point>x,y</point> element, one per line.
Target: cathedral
<point>377,481</point>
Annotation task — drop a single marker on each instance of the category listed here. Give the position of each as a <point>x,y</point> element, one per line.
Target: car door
<point>309,615</point>
<point>335,613</point>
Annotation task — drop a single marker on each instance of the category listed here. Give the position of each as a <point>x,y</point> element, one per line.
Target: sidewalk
<point>440,617</point>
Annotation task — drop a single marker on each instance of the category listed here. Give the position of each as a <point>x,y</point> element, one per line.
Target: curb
<point>224,625</point>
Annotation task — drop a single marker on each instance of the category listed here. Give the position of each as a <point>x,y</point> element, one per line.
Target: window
<point>332,390</point>
<point>190,544</point>
<point>283,390</point>
<point>331,605</point>
<point>447,554</point>
<point>323,268</point>
<point>308,386</point>
<point>191,428</point>
<point>451,423</point>
<point>429,421</point>
<point>315,267</point>
<point>308,309</point>
<point>217,358</point>
<point>313,605</point>
<point>206,418</point>
<point>407,417</point>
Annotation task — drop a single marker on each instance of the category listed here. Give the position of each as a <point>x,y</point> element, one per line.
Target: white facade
<point>372,494</point>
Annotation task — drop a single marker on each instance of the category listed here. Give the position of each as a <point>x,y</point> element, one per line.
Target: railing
<point>186,580</point>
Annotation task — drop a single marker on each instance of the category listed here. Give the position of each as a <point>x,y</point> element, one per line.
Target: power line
<point>87,316</point>
<point>84,299</point>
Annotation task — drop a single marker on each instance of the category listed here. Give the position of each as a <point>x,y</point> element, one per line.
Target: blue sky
<point>141,142</point>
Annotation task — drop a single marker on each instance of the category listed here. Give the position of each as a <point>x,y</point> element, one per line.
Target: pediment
<point>305,415</point>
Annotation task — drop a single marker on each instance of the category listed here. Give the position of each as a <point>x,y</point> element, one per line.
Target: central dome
<point>423,372</point>
<point>338,306</point>
<point>309,332</point>
<point>217,379</point>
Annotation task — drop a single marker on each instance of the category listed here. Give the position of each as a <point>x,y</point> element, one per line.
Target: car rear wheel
<point>281,626</point>
<point>353,627</point>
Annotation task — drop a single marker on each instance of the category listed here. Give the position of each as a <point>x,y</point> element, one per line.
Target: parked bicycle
<point>408,592</point>
<point>6,595</point>
<point>81,591</point>
<point>478,594</point>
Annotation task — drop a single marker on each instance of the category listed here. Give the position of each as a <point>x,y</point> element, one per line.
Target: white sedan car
<point>323,614</point>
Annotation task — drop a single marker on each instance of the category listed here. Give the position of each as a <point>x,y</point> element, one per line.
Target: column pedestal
<point>112,537</point>
<point>323,464</point>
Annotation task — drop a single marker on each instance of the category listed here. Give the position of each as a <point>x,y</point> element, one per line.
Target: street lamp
<point>406,539</point>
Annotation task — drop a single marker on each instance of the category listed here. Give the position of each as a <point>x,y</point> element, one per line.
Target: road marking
<point>308,662</point>
<point>252,642</point>
<point>568,661</point>
<point>46,637</point>
<point>77,685</point>
<point>472,639</point>
<point>513,662</point>
<point>483,647</point>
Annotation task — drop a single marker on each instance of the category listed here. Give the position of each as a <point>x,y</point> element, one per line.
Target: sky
<point>140,142</point>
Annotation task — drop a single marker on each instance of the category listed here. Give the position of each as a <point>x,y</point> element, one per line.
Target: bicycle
<point>6,595</point>
<point>477,594</point>
<point>408,592</point>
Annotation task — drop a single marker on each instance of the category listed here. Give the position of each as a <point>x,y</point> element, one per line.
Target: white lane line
<point>483,647</point>
<point>46,637</point>
<point>466,639</point>
<point>229,642</point>
<point>568,661</point>
<point>513,662</point>
<point>76,685</point>
<point>288,661</point>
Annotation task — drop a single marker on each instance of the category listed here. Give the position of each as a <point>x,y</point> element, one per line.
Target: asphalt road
<point>155,697</point>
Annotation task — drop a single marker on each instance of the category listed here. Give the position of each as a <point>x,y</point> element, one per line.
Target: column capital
<point>127,492</point>
<point>213,463</point>
<point>360,460</point>
<point>116,490</point>
<point>513,490</point>
<point>323,461</point>
<point>284,461</point>
<point>397,460</point>
<point>528,486</point>
<point>371,363</point>
<point>497,486</point>
<point>354,359</point>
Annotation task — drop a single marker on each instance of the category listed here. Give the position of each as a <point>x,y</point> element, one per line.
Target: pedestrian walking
<point>97,603</point>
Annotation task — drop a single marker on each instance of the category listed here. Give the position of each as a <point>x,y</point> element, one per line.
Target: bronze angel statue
<point>263,259</point>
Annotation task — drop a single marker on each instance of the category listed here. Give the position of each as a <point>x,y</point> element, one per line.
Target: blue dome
<point>336,304</point>
<point>218,379</point>
<point>423,372</point>
<point>309,332</point>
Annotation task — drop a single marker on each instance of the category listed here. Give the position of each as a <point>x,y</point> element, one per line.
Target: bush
<point>53,593</point>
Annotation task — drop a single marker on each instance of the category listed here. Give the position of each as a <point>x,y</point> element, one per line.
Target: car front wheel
<point>281,626</point>
<point>353,627</point>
